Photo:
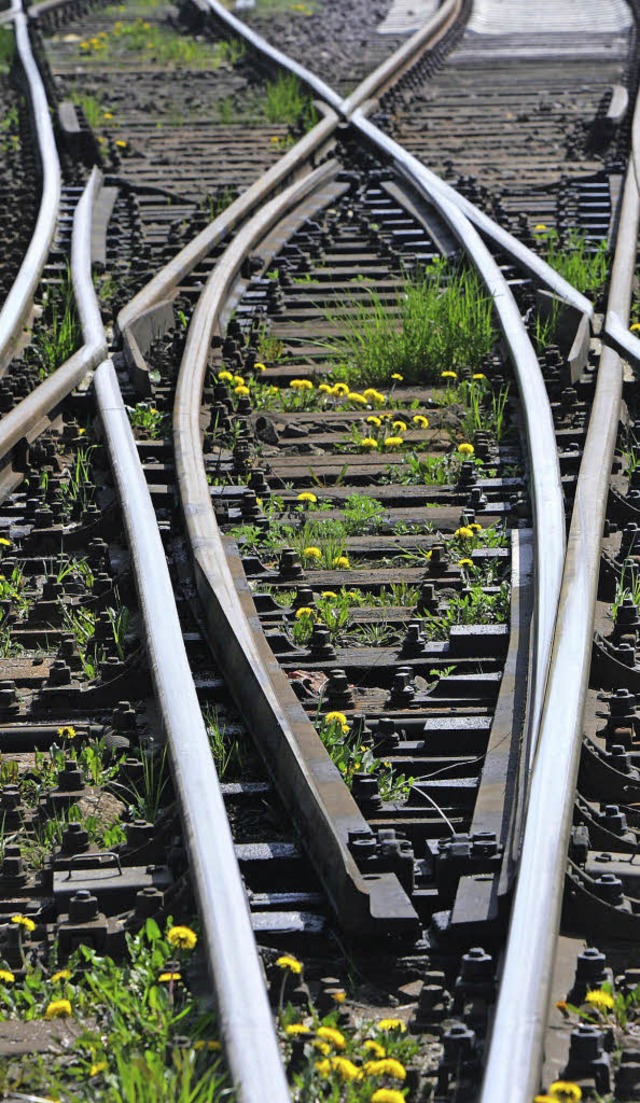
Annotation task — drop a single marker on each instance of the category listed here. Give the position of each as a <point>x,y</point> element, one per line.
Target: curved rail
<point>247,1026</point>
<point>515,1055</point>
<point>20,297</point>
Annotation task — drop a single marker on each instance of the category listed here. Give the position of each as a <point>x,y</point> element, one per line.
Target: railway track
<point>361,542</point>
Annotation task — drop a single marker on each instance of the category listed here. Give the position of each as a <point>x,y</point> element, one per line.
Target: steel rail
<point>516,1050</point>
<point>246,1025</point>
<point>352,111</point>
<point>18,302</point>
<point>311,785</point>
<point>34,409</point>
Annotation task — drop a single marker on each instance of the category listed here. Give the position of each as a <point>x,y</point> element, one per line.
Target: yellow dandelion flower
<point>241,390</point>
<point>393,442</point>
<point>448,375</point>
<point>258,366</point>
<point>62,974</point>
<point>67,732</point>
<point>565,1090</point>
<point>421,421</point>
<point>400,426</point>
<point>294,1029</point>
<point>225,377</point>
<point>24,921</point>
<point>326,388</point>
<point>339,996</point>
<point>369,443</point>
<point>341,562</point>
<point>387,1095</point>
<point>398,378</point>
<point>331,1035</point>
<point>342,1065</point>
<point>287,961</point>
<point>340,389</point>
<point>635,327</point>
<point>182,937</point>
<point>465,532</point>
<point>306,496</point>
<point>301,384</point>
<point>392,1024</point>
<point>58,1009</point>
<point>6,976</point>
<point>304,612</point>
<point>335,717</point>
<point>167,978</point>
<point>602,1001</point>
<point>4,543</point>
<point>107,115</point>
<point>466,449</point>
<point>97,1068</point>
<point>357,399</point>
<point>374,1047</point>
<point>373,420</point>
<point>312,552</point>
<point>327,594</point>
<point>387,1066</point>
<point>475,527</point>
<point>322,1047</point>
<point>238,380</point>
<point>478,375</point>
<point>465,562</point>
<point>323,1067</point>
<point>120,143</point>
<point>539,226</point>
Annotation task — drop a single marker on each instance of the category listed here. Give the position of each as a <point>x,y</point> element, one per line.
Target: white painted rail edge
<point>546,487</point>
<point>246,1020</point>
<point>512,1071</point>
<point>20,297</point>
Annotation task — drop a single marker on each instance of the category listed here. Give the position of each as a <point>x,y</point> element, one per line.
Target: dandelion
<point>373,420</point>
<point>241,390</point>
<point>475,527</point>
<point>326,388</point>
<point>369,443</point>
<point>374,1047</point>
<point>339,996</point>
<point>448,375</point>
<point>540,226</point>
<point>341,562</point>
<point>340,389</point>
<point>24,921</point>
<point>565,1090</point>
<point>400,426</point>
<point>335,718</point>
<point>466,449</point>
<point>387,1066</point>
<point>183,937</point>
<point>259,367</point>
<point>238,380</point>
<point>301,385</point>
<point>392,1024</point>
<point>331,1035</point>
<point>290,963</point>
<point>357,399</point>
<point>387,1095</point>
<point>635,327</point>
<point>421,421</point>
<point>4,543</point>
<point>295,1029</point>
<point>478,375</point>
<point>304,613</point>
<point>6,976</point>
<point>62,974</point>
<point>97,1068</point>
<point>328,594</point>
<point>465,563</point>
<point>465,532</point>
<point>225,376</point>
<point>342,1065</point>
<point>58,1009</point>
<point>601,1000</point>
<point>120,143</point>
<point>322,1047</point>
<point>397,377</point>
<point>306,496</point>
<point>312,552</point>
<point>169,978</point>
<point>393,442</point>
<point>67,732</point>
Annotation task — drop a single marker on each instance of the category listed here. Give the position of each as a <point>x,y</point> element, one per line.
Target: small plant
<point>228,754</point>
<point>288,102</point>
<point>581,263</point>
<point>148,419</point>
<point>7,49</point>
<point>56,335</point>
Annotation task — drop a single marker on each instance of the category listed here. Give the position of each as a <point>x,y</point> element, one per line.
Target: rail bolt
<point>75,839</point>
<point>609,888</point>
<point>83,907</point>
